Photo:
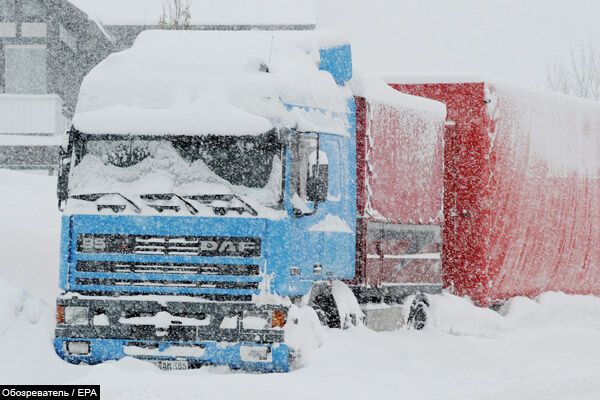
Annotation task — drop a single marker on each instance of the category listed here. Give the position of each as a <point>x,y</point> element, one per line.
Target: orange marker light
<point>278,319</point>
<point>60,314</point>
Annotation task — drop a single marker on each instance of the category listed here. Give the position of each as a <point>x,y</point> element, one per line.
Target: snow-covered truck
<point>210,182</point>
<point>521,189</point>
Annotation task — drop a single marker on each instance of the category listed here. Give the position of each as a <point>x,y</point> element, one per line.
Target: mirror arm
<point>299,214</point>
<point>64,168</point>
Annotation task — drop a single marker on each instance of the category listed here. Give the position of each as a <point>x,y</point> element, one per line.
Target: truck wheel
<point>324,305</point>
<point>417,317</point>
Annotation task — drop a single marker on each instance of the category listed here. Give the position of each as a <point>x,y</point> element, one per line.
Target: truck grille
<point>167,268</point>
<point>149,268</point>
<point>209,246</point>
<point>171,246</point>
<point>172,284</point>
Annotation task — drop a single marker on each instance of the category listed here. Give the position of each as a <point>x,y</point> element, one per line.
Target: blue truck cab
<point>207,184</point>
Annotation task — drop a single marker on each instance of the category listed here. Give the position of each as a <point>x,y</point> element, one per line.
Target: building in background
<point>46,48</point>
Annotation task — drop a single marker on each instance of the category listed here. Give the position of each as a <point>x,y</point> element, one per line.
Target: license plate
<point>172,365</point>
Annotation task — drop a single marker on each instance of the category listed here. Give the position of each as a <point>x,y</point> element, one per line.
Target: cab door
<point>338,212</point>
<point>306,244</point>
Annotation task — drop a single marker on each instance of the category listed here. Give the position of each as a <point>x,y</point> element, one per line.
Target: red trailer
<point>521,190</point>
<point>399,194</point>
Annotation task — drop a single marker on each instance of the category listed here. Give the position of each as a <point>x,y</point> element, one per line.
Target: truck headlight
<point>77,316</point>
<point>256,354</point>
<point>255,319</point>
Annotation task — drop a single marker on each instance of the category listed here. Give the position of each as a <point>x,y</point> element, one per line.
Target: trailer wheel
<point>417,317</point>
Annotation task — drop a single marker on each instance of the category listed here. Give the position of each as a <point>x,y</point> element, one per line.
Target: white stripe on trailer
<point>423,256</point>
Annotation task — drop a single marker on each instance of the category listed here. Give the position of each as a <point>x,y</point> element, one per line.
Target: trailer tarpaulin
<point>522,195</point>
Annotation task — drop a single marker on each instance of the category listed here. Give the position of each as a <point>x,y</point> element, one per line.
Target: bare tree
<point>176,15</point>
<point>580,76</point>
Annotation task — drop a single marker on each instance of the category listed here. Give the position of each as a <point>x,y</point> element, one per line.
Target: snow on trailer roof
<point>214,82</point>
<point>203,12</point>
<point>367,84</point>
<point>458,79</point>
<point>427,79</point>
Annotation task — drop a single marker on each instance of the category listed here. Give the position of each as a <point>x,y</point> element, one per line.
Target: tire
<point>324,305</point>
<point>417,317</point>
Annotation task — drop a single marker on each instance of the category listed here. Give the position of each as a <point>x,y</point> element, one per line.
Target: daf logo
<point>227,246</point>
<point>234,247</point>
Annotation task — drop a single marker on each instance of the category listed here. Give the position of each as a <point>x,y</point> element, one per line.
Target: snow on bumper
<point>200,333</point>
<point>273,357</point>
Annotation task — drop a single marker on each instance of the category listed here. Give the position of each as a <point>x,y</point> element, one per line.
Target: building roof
<point>203,12</point>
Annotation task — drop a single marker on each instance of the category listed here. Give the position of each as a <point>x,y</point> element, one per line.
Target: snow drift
<point>467,352</point>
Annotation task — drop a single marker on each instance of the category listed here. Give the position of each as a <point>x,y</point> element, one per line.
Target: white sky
<point>508,40</point>
<point>210,12</point>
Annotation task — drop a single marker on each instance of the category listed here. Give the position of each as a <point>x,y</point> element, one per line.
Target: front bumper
<point>209,343</point>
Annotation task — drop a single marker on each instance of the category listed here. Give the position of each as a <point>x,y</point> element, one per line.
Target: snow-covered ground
<point>543,349</point>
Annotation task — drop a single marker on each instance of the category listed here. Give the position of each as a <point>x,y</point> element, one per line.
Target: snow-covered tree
<point>580,75</point>
<point>176,14</point>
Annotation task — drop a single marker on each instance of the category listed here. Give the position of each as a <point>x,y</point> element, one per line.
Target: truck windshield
<point>241,167</point>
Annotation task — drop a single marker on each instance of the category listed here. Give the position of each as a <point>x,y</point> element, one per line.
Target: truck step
<point>384,319</point>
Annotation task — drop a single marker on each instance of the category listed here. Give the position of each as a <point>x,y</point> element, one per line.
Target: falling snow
<point>370,199</point>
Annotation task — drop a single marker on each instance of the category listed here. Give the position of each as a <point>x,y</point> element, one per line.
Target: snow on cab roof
<point>214,82</point>
<point>203,12</point>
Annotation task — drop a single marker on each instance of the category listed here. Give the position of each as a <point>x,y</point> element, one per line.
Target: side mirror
<point>317,181</point>
<point>317,184</point>
<point>64,165</point>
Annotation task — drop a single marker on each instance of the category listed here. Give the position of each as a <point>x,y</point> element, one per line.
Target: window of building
<point>34,29</point>
<point>8,29</point>
<point>33,8</point>
<point>67,38</point>
<point>7,10</point>
<point>25,69</point>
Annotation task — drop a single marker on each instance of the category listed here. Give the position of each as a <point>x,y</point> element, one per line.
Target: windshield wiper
<point>93,197</point>
<point>168,196</point>
<point>224,197</point>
